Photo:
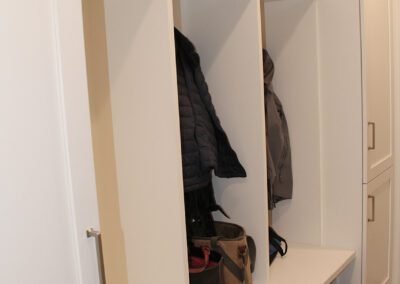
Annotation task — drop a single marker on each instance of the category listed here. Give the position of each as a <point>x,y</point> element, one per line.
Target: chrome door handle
<point>373,208</point>
<point>373,136</point>
<point>91,233</point>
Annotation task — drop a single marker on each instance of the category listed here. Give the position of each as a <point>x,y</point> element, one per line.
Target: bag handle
<point>252,252</point>
<point>239,273</point>
<point>274,237</point>
<point>217,207</point>
<point>206,254</point>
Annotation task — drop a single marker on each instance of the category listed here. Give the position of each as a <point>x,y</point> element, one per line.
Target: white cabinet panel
<point>47,196</point>
<point>377,86</point>
<point>379,228</point>
<point>145,117</point>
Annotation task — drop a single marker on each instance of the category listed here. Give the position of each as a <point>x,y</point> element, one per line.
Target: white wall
<point>38,242</point>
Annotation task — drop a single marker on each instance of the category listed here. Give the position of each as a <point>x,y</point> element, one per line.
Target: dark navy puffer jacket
<point>205,146</point>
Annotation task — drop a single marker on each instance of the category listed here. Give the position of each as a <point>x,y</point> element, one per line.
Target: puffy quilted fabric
<point>205,146</point>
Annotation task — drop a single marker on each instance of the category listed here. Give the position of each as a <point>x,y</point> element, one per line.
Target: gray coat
<point>280,178</point>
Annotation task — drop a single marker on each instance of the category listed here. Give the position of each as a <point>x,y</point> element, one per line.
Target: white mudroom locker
<point>92,186</point>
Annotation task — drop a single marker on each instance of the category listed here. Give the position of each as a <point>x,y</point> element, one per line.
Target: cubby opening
<point>310,41</point>
<point>227,35</point>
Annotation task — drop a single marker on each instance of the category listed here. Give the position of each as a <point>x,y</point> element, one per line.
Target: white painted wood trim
<point>74,104</point>
<point>364,94</point>
<point>364,234</point>
<point>396,99</point>
<point>63,120</point>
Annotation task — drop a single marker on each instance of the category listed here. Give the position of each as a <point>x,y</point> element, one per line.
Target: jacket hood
<point>268,68</point>
<point>188,49</point>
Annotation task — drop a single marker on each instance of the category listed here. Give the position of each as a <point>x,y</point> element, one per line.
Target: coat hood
<point>268,68</point>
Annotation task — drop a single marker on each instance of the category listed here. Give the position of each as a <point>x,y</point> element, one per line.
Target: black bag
<point>205,266</point>
<point>275,245</point>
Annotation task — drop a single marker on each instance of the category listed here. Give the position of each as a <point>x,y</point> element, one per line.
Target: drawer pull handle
<point>373,208</point>
<point>373,136</point>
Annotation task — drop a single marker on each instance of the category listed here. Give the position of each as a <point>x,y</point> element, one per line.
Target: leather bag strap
<point>239,273</point>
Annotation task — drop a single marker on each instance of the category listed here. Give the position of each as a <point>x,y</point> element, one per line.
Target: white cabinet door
<point>47,189</point>
<point>378,243</point>
<point>377,84</point>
